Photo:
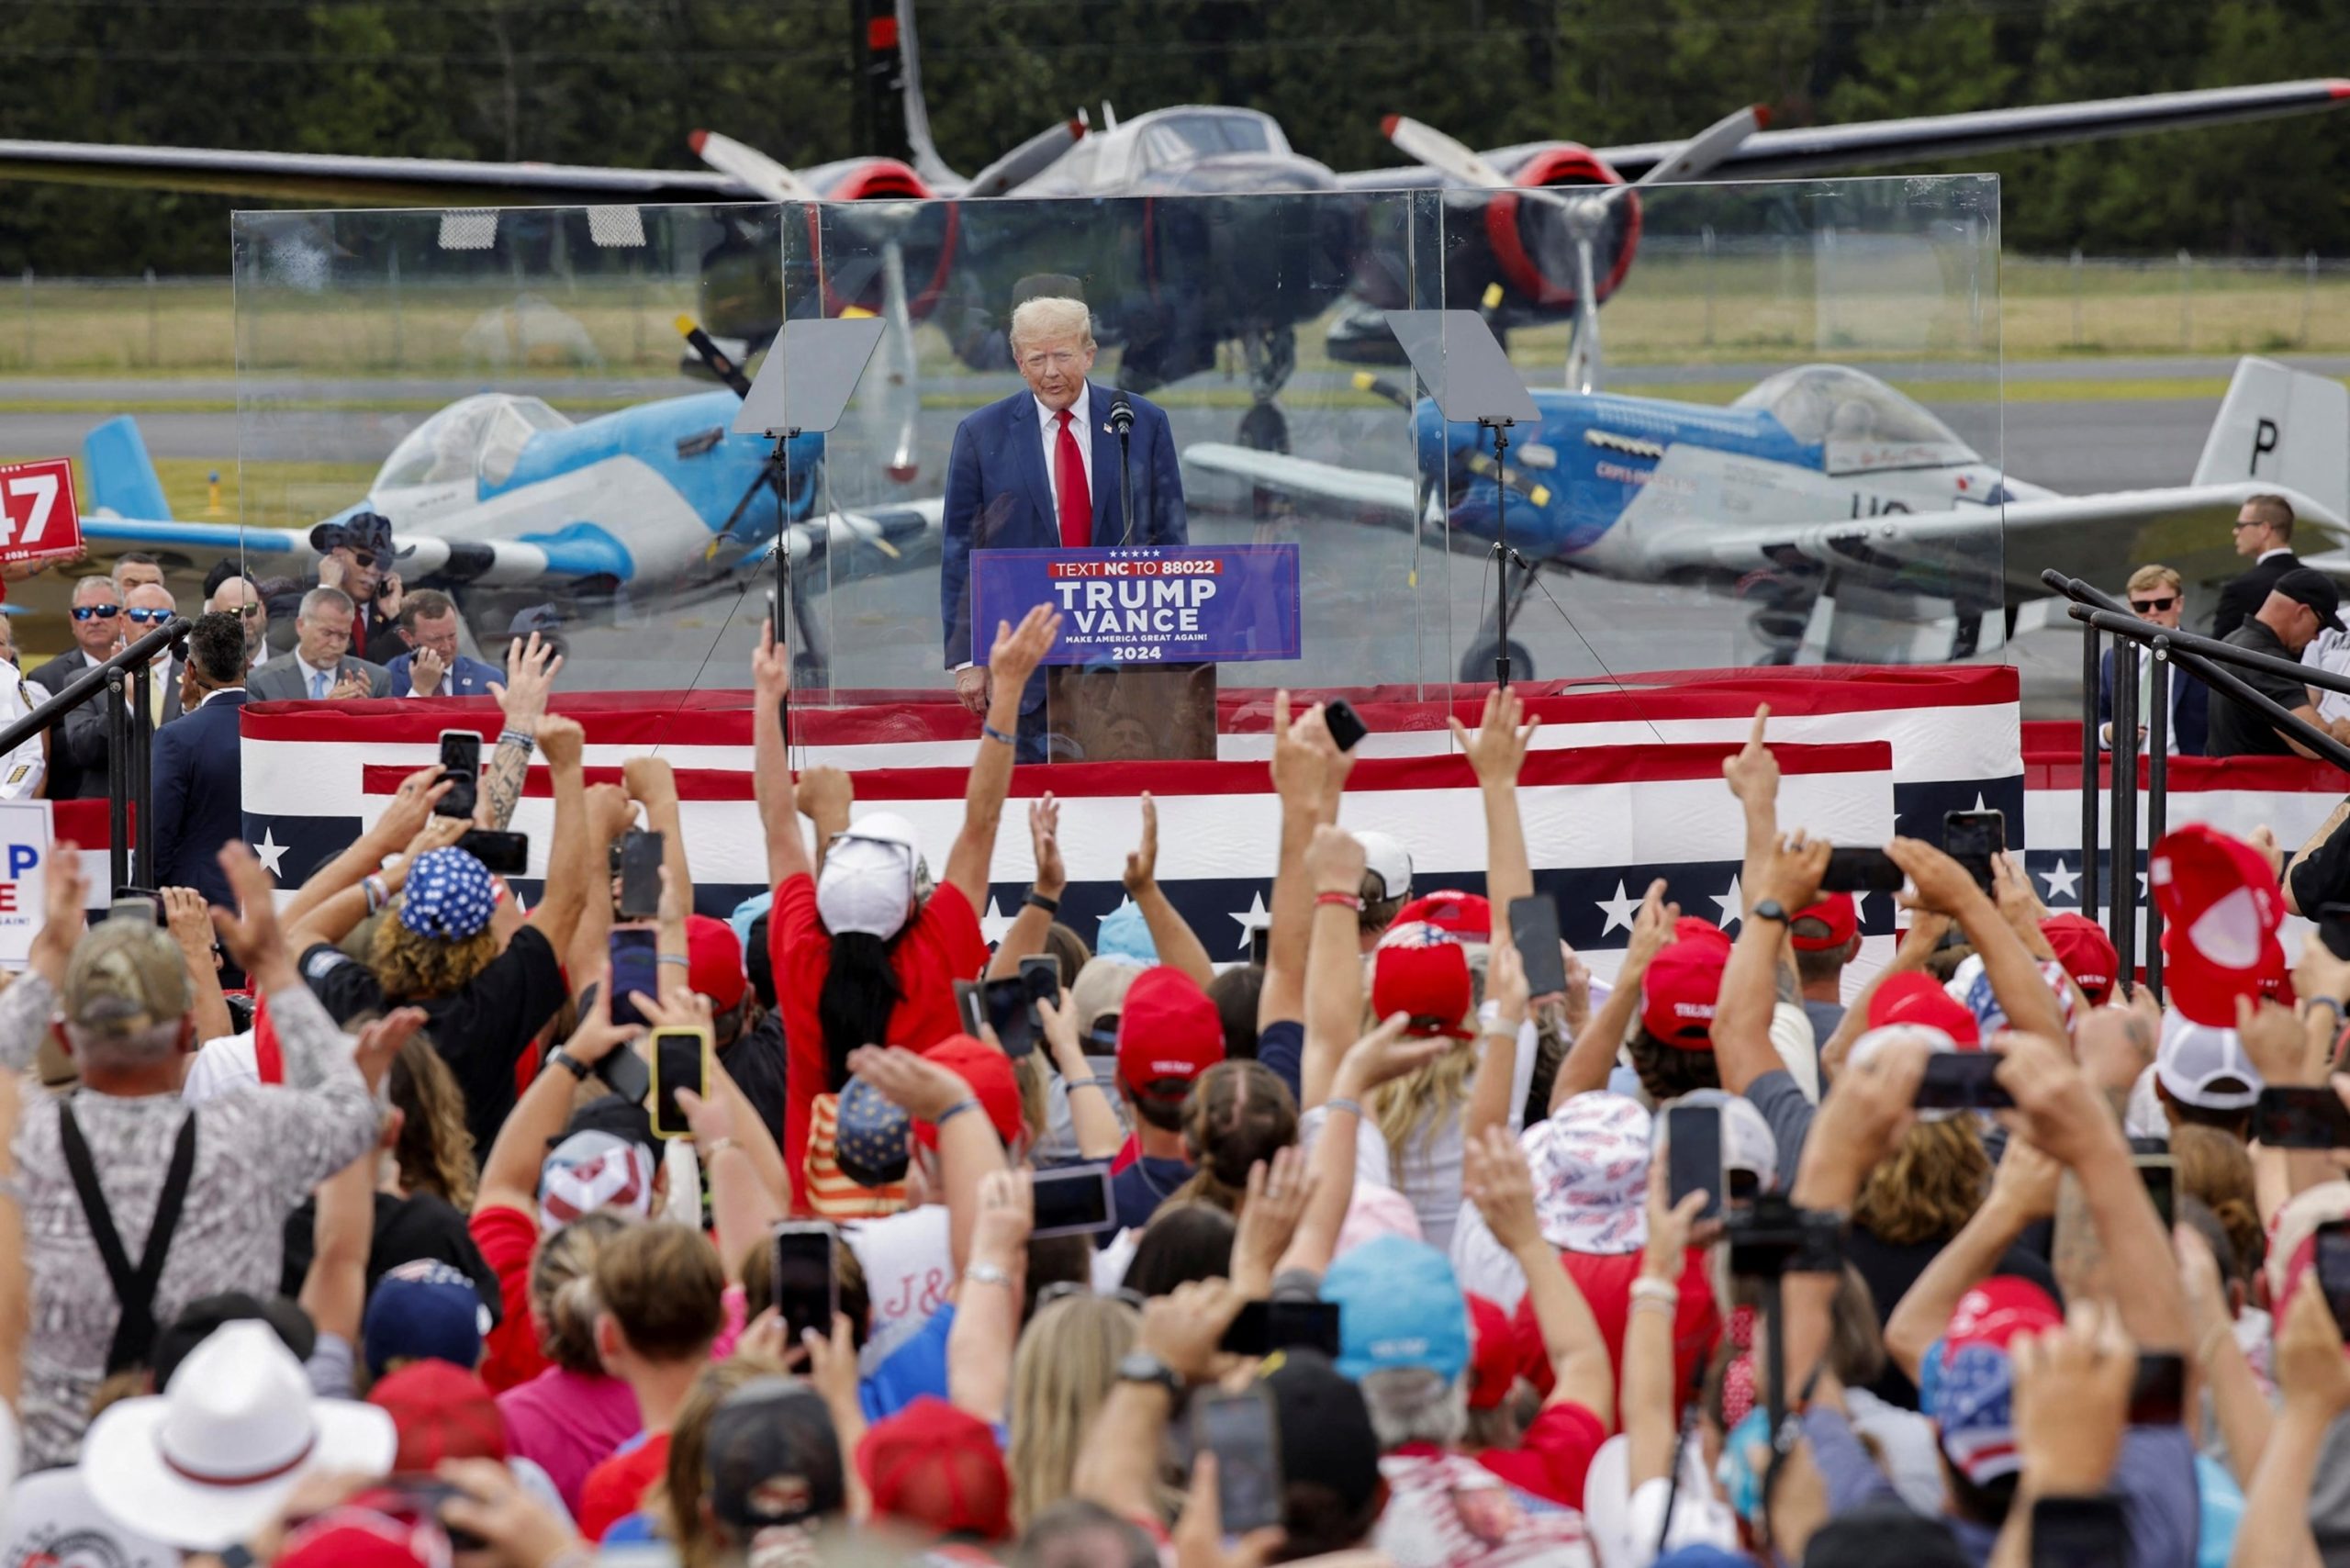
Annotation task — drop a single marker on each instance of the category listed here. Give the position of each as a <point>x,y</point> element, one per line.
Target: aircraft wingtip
<point>696,141</point>
<point>2337,88</point>
<point>1762,116</point>
<point>1387,124</point>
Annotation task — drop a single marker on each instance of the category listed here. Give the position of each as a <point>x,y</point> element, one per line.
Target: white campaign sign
<point>24,870</point>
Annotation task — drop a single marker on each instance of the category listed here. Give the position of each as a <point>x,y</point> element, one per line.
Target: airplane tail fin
<point>123,481</point>
<point>2282,427</point>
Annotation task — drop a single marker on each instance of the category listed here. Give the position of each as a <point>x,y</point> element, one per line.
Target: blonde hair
<point>1927,1187</point>
<point>563,1290</point>
<point>1062,1370</point>
<point>1051,315</point>
<point>2152,576</point>
<point>1410,1110</point>
<point>2217,1169</point>
<point>406,965</point>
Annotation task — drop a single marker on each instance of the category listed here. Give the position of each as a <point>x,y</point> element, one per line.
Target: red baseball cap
<point>2221,911</point>
<point>1493,1357</point>
<point>2086,953</point>
<point>714,961</point>
<point>441,1412</point>
<point>1911,997</point>
<point>1683,982</point>
<point>1167,1029</point>
<point>1838,912</point>
<point>936,1466</point>
<point>1466,915</point>
<point>989,1072</point>
<point>1426,976</point>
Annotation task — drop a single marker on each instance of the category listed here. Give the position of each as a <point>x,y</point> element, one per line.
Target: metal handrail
<point>92,681</point>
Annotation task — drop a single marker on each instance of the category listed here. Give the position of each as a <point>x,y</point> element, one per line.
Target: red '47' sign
<point>37,515</point>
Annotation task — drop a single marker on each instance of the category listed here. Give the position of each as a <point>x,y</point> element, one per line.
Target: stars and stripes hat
<point>449,896</point>
<point>1468,916</point>
<point>1590,1165</point>
<point>872,1135</point>
<point>593,1171</point>
<point>1421,969</point>
<point>1969,1387</point>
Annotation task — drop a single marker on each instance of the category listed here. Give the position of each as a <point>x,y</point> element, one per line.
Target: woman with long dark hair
<point>861,957</point>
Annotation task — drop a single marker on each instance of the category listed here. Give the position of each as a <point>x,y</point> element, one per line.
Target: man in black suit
<point>2265,533</point>
<point>2157,595</point>
<point>97,619</point>
<point>199,785</point>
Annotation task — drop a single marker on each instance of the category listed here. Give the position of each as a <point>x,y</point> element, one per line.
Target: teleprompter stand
<point>1462,363</point>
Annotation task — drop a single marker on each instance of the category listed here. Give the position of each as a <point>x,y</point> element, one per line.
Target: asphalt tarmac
<point>1366,620</point>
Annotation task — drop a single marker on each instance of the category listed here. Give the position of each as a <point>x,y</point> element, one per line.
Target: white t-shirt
<point>909,1263</point>
<point>222,1067</point>
<point>53,1522</point>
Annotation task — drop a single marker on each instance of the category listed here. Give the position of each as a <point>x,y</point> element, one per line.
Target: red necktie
<point>1069,489</point>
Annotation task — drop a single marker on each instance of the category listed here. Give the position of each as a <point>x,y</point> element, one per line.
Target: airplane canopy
<point>1861,424</point>
<point>474,438</point>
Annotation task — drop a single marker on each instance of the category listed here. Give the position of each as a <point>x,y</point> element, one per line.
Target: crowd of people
<point>415,1249</point>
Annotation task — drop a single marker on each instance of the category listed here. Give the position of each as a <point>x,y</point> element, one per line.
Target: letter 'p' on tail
<point>2284,428</point>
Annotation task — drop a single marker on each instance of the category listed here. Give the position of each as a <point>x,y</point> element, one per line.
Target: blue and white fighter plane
<point>1857,526</point>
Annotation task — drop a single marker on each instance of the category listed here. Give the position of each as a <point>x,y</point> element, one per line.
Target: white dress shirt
<point>2280,550</point>
<point>1080,433</point>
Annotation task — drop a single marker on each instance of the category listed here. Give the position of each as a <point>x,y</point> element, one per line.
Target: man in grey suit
<point>320,667</point>
<point>144,609</point>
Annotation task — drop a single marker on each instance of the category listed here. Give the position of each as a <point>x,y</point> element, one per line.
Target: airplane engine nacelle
<point>843,251</point>
<point>1528,248</point>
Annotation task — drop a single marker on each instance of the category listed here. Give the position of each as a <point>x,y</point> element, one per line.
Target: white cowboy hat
<point>209,1460</point>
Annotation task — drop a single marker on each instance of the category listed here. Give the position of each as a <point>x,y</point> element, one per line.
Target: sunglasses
<point>2250,522</point>
<point>148,617</point>
<point>1061,1290</point>
<point>96,611</point>
<point>363,559</point>
<point>250,611</point>
<point>2149,606</point>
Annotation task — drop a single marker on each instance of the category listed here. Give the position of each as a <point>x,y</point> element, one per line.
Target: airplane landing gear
<point>1264,427</point>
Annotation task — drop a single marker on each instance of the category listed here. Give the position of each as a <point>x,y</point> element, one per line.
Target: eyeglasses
<point>96,612</point>
<point>2250,522</point>
<point>250,611</point>
<point>2153,606</point>
<point>148,617</point>
<point>1061,1290</point>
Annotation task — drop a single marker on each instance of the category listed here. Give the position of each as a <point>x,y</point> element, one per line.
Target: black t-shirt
<point>419,1225</point>
<point>2237,730</point>
<point>480,1032</point>
<point>1891,1269</point>
<point>755,1061</point>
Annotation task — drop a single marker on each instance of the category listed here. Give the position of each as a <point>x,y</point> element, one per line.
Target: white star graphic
<point>1252,917</point>
<point>2142,886</point>
<point>994,924</point>
<point>1859,919</point>
<point>2062,883</point>
<point>1618,910</point>
<point>271,852</point>
<point>1980,804</point>
<point>1733,904</point>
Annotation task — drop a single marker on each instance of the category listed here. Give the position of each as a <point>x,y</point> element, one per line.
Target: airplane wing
<point>1389,499</point>
<point>290,549</point>
<point>373,182</point>
<point>1834,149</point>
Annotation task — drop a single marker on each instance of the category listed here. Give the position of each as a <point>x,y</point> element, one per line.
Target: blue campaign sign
<point>1161,604</point>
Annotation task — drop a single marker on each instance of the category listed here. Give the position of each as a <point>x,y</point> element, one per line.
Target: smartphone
<point>2160,1175</point>
<point>138,904</point>
<point>1073,1200</point>
<point>2301,1116</point>
<point>1347,727</point>
<point>680,1060</point>
<point>2334,928</point>
<point>1043,973</point>
<point>1861,871</point>
<point>2158,1391</point>
<point>1264,1327</point>
<point>1962,1080</point>
<point>967,1007</point>
<point>507,854</point>
<point>2334,1271</point>
<point>1259,943</point>
<point>632,950</point>
<point>1975,839</point>
<point>461,765</point>
<point>2079,1532</point>
<point>640,875</point>
<point>1238,1429</point>
<point>625,1074</point>
<point>1534,931</point>
<point>1010,1014</point>
<point>807,1289</point>
<point>1693,1144</point>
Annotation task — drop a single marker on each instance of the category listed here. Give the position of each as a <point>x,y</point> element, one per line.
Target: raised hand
<point>1497,749</point>
<point>1753,773</point>
<point>1007,1215</point>
<point>1334,860</point>
<point>252,934</point>
<point>1300,764</point>
<point>1278,1193</point>
<point>1142,861</point>
<point>920,1088</point>
<point>1494,1177</point>
<point>561,740</point>
<point>1652,929</point>
<point>381,1040</point>
<point>1019,649</point>
<point>770,666</point>
<point>65,891</point>
<point>410,809</point>
<point>1045,840</point>
<point>2072,1398</point>
<point>1792,870</point>
<point>1382,1056</point>
<point>649,779</point>
<point>190,922</point>
<point>1942,884</point>
<point>826,794</point>
<point>425,671</point>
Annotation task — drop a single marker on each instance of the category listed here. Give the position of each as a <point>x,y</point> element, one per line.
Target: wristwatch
<point>1770,909</point>
<point>1141,1366</point>
<point>561,1057</point>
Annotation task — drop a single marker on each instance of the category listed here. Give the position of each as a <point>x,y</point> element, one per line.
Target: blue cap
<point>423,1310</point>
<point>872,1135</point>
<point>1125,935</point>
<point>1399,1306</point>
<point>447,897</point>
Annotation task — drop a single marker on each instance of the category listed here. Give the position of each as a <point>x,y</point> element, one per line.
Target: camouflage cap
<point>125,975</point>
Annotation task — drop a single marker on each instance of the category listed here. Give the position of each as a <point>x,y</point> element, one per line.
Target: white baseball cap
<point>1384,856</point>
<point>869,883</point>
<point>2204,1065</point>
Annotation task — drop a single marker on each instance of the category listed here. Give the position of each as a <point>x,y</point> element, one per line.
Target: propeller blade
<point>1441,153</point>
<point>889,396</point>
<point>1378,386</point>
<point>751,166</point>
<point>1708,147</point>
<point>721,365</point>
<point>1028,160</point>
<point>1582,350</point>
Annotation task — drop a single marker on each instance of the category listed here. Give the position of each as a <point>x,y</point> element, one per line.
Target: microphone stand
<point>1122,419</point>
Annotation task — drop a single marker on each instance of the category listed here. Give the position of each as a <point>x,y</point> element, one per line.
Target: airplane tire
<point>1264,427</point>
<point>1477,663</point>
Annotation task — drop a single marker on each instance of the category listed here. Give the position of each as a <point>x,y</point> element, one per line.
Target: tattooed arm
<point>529,675</point>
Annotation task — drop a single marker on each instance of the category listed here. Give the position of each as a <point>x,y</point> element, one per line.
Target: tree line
<point>623,81</point>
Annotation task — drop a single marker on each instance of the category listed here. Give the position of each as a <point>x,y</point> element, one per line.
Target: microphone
<point>1121,415</point>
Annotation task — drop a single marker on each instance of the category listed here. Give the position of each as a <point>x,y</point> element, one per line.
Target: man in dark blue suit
<point>198,774</point>
<point>1040,471</point>
<point>433,666</point>
<point>2157,595</point>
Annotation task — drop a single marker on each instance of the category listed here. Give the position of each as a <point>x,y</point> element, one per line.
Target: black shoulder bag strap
<point>134,1335</point>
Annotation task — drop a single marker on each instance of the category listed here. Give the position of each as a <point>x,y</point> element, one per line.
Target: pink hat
<point>1589,1163</point>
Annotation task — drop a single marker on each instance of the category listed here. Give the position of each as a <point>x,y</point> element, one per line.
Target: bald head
<point>237,597</point>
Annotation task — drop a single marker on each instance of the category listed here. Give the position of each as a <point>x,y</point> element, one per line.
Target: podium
<point>1133,675</point>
